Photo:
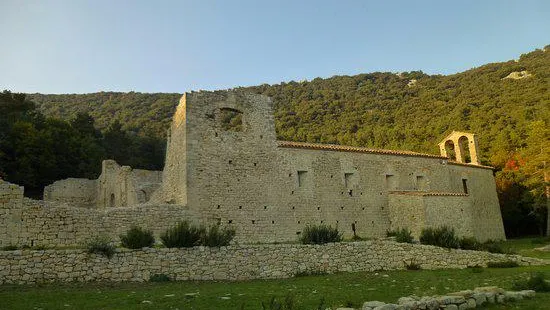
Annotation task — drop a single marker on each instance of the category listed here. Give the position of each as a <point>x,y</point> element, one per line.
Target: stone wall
<point>38,223</point>
<point>235,262</point>
<point>11,202</point>
<point>76,192</point>
<point>269,190</point>
<point>418,210</point>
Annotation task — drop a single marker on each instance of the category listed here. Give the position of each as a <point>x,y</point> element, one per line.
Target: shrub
<point>412,266</point>
<point>504,264</point>
<point>137,238</point>
<point>442,236</point>
<point>9,248</point>
<point>159,277</point>
<point>496,247</point>
<point>469,243</point>
<point>183,235</point>
<point>101,246</point>
<point>403,235</point>
<point>216,236</point>
<point>320,234</point>
<point>536,282</point>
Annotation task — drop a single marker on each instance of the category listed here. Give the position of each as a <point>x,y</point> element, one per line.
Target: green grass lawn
<point>345,289</point>
<point>337,290</point>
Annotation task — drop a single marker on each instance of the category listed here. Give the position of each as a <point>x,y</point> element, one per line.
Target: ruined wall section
<point>121,186</point>
<point>233,166</point>
<point>76,192</point>
<point>174,184</point>
<point>11,201</point>
<point>40,223</point>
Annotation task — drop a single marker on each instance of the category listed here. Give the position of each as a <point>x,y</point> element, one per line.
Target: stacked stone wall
<point>235,262</point>
<point>45,224</point>
<point>269,190</point>
<point>76,192</point>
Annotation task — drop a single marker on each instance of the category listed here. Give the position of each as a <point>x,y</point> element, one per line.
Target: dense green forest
<point>409,110</point>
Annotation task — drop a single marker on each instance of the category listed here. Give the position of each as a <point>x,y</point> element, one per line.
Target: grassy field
<point>345,289</point>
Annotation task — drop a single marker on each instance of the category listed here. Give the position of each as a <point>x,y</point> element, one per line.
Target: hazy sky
<point>74,46</point>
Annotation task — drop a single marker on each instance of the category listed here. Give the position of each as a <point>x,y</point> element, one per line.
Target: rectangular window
<point>465,185</point>
<point>348,177</point>
<point>301,178</point>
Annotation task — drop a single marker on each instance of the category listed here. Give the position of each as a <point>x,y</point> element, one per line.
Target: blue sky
<point>75,46</point>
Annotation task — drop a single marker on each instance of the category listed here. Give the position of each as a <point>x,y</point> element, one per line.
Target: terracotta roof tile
<point>356,149</point>
<point>422,193</point>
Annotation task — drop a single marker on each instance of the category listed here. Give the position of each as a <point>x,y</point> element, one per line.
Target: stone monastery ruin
<point>224,165</point>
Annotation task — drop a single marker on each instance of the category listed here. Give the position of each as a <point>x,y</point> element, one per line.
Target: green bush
<point>536,282</point>
<point>183,235</point>
<point>470,243</point>
<point>442,236</point>
<point>403,235</point>
<point>505,264</point>
<point>101,246</point>
<point>9,248</point>
<point>216,236</point>
<point>476,269</point>
<point>412,266</point>
<point>496,247</point>
<point>137,238</point>
<point>320,234</point>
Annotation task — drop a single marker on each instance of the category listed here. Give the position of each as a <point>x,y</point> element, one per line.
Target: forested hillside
<point>506,104</point>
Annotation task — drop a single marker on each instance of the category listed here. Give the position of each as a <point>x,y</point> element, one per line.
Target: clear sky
<point>75,46</point>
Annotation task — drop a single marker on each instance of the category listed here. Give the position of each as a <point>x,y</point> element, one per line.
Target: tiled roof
<point>356,149</point>
<point>421,193</point>
<point>451,162</point>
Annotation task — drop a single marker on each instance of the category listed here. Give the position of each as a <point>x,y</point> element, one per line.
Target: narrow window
<point>391,182</point>
<point>348,179</point>
<point>465,185</point>
<point>112,201</point>
<point>302,178</point>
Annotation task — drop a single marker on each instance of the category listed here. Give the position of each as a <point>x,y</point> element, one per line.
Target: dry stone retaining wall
<point>236,262</point>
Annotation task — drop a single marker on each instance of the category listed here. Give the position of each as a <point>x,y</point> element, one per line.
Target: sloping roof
<point>355,149</point>
<point>421,193</point>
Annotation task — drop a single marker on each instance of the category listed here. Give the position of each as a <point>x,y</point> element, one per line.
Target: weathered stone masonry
<point>225,166</point>
<point>269,190</point>
<point>237,262</point>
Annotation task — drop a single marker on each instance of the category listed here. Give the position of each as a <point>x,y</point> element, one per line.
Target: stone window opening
<point>265,207</point>
<point>231,119</point>
<point>218,207</point>
<point>301,178</point>
<point>464,146</point>
<point>465,185</point>
<point>272,222</point>
<point>230,221</point>
<point>255,164</point>
<point>253,221</point>
<point>240,207</point>
<point>350,192</point>
<point>112,201</point>
<point>450,149</point>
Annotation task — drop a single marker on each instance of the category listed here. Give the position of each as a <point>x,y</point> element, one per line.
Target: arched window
<point>450,149</point>
<point>464,145</point>
<point>112,201</point>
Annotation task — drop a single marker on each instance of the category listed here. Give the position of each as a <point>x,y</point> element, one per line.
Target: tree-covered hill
<point>506,104</point>
<point>411,110</point>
